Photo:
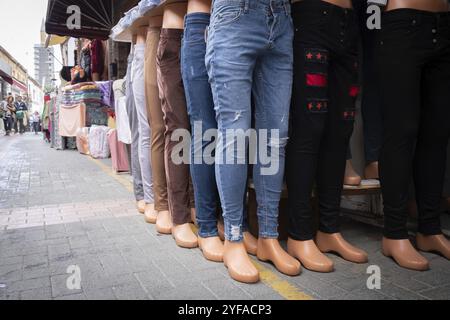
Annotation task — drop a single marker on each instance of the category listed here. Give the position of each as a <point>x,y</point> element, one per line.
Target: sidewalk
<point>59,209</point>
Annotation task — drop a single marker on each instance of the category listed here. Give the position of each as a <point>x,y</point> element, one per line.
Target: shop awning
<point>96,18</point>
<point>6,77</point>
<point>5,71</point>
<point>19,85</point>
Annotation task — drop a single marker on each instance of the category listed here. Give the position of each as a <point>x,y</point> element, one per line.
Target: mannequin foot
<point>403,252</point>
<point>250,243</point>
<point>239,265</point>
<point>194,216</point>
<point>140,205</point>
<point>437,243</point>
<point>337,244</point>
<point>184,236</point>
<point>212,248</point>
<point>271,250</point>
<point>221,229</point>
<point>351,177</point>
<point>371,171</point>
<point>164,223</point>
<point>151,215</point>
<point>310,256</point>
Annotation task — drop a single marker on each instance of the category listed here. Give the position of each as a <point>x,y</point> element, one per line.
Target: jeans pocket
<point>226,14</point>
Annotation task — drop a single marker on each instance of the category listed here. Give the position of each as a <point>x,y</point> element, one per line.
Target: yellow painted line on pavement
<point>269,278</point>
<point>125,182</point>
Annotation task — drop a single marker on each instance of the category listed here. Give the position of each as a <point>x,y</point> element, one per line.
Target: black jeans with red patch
<point>413,61</point>
<point>323,112</point>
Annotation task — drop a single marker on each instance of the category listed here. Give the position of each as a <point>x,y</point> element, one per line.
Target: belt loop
<point>246,5</point>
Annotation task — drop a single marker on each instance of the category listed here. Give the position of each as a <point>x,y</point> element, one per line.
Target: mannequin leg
<point>400,84</point>
<point>135,164</point>
<point>231,82</point>
<point>431,154</point>
<point>144,130</point>
<point>203,121</point>
<point>176,118</point>
<point>271,93</point>
<point>156,120</point>
<point>307,129</point>
<point>343,77</point>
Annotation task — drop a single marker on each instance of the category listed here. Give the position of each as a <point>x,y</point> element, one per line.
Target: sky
<point>20,25</point>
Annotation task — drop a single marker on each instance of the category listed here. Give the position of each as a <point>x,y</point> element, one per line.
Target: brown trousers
<point>156,121</point>
<point>171,91</point>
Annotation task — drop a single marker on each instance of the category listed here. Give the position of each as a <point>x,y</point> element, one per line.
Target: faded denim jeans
<point>202,116</point>
<point>250,56</point>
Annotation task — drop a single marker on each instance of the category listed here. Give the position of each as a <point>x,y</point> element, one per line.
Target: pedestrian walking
<point>9,111</point>
<point>21,113</point>
<point>35,122</point>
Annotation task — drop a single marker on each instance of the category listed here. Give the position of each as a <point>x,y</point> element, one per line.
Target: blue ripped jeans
<point>250,58</point>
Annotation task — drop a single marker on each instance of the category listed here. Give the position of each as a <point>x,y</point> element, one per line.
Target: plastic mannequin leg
<point>151,215</point>
<point>164,223</point>
<point>403,252</point>
<point>371,171</point>
<point>141,206</point>
<point>221,229</point>
<point>271,250</point>
<point>337,244</point>
<point>250,243</point>
<point>212,248</point>
<point>310,256</point>
<point>351,177</point>
<point>437,243</point>
<point>239,265</point>
<point>194,216</point>
<point>184,236</point>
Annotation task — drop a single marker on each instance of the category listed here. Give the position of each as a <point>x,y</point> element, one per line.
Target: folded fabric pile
<point>87,92</point>
<point>135,13</point>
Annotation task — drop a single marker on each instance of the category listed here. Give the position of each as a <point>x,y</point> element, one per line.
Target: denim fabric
<point>202,116</point>
<point>145,133</point>
<point>132,115</point>
<point>250,51</point>
<point>147,5</point>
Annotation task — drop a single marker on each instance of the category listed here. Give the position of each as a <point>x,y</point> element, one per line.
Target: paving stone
<point>24,285</point>
<point>37,294</point>
<point>130,292</point>
<point>100,294</point>
<point>226,290</point>
<point>10,273</point>
<point>154,282</point>
<point>60,287</point>
<point>439,293</point>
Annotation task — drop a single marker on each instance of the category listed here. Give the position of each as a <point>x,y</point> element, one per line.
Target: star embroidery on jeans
<point>310,106</point>
<point>319,56</point>
<point>319,106</point>
<point>309,56</point>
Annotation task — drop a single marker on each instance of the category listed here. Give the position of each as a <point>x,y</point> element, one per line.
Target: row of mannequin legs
<point>172,88</point>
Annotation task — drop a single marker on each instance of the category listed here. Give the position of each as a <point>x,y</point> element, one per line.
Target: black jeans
<point>8,121</point>
<point>21,126</point>
<point>371,103</point>
<point>413,60</point>
<point>323,112</point>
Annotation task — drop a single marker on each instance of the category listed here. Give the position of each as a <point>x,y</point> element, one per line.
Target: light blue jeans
<point>250,58</point>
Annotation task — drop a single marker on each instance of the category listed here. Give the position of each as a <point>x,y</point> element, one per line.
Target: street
<point>61,211</point>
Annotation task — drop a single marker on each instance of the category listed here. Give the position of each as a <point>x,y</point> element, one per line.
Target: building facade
<point>13,76</point>
<point>44,64</point>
